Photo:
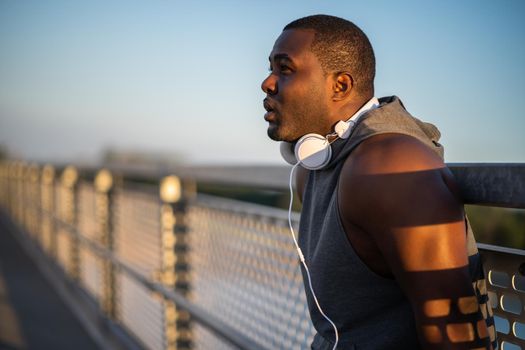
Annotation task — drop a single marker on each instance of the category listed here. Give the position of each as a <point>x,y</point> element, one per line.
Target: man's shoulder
<point>390,153</point>
<point>384,168</point>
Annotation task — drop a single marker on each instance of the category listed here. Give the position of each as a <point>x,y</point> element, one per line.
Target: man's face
<point>296,89</point>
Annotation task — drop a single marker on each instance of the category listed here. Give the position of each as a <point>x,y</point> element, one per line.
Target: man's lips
<point>269,116</point>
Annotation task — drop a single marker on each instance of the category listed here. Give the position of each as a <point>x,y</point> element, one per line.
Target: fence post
<point>47,190</point>
<point>3,183</point>
<point>69,181</point>
<point>175,268</point>
<point>6,166</point>
<point>17,192</point>
<point>104,209</point>
<point>28,202</point>
<point>33,176</point>
<point>11,181</point>
<point>21,194</point>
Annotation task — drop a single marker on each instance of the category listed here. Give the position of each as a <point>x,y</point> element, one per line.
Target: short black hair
<point>341,46</point>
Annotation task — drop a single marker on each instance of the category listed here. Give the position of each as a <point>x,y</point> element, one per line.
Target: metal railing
<point>179,269</point>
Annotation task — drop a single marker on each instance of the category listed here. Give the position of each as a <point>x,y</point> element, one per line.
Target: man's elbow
<point>462,328</point>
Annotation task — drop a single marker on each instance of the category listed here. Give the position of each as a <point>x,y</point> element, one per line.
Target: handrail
<point>491,184</point>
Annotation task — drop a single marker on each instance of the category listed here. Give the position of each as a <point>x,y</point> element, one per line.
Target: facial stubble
<point>299,116</point>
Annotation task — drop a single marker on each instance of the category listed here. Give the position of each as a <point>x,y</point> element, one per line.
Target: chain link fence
<point>235,260</point>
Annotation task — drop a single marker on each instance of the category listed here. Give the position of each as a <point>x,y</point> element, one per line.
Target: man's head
<point>321,67</point>
<point>340,46</point>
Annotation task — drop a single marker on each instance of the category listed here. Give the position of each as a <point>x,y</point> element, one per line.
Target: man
<point>393,261</point>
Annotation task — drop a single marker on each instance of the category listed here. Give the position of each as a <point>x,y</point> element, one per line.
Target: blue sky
<point>184,77</point>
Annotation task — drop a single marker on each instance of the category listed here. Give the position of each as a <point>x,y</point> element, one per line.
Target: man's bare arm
<point>393,188</point>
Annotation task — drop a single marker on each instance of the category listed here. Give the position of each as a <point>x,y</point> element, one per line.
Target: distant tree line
<point>3,152</point>
<point>498,226</point>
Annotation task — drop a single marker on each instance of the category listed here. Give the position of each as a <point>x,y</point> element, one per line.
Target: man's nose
<point>269,85</point>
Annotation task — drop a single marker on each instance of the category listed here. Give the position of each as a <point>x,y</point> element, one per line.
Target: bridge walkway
<point>32,315</point>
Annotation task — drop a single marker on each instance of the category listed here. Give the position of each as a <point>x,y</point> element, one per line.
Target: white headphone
<point>313,151</point>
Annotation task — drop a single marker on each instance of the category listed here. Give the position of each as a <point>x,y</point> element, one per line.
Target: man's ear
<point>343,84</point>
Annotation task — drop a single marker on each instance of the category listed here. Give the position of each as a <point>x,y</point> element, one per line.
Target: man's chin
<point>277,134</point>
<point>273,133</point>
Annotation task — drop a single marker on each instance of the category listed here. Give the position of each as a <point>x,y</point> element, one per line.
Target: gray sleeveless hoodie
<point>370,311</point>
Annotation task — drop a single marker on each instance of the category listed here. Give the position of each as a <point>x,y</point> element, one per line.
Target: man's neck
<point>350,108</point>
<point>344,109</point>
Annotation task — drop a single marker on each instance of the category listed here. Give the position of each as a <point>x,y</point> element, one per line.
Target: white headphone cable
<point>301,257</point>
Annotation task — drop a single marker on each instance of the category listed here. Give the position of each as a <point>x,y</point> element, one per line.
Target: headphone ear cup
<point>287,152</point>
<point>313,151</point>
